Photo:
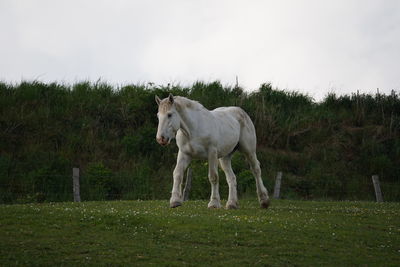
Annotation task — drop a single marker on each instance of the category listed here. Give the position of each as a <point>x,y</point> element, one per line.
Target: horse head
<point>168,120</point>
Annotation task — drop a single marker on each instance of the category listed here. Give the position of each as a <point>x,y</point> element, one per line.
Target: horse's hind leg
<point>231,179</point>
<point>262,192</point>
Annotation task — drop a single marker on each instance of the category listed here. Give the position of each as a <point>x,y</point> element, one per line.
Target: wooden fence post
<point>277,188</point>
<point>377,187</point>
<point>188,184</point>
<point>76,185</point>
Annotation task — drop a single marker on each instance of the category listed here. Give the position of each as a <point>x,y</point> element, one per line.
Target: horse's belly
<point>228,137</point>
<point>227,146</point>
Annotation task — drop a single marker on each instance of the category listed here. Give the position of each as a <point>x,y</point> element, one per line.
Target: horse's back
<point>240,116</point>
<point>237,113</point>
<point>232,115</point>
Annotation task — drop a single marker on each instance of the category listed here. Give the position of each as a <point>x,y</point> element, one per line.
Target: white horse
<point>213,135</point>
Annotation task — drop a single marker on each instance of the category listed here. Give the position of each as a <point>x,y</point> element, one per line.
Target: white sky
<point>312,46</point>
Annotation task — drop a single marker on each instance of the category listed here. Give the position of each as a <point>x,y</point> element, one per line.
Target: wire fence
<point>59,188</point>
<point>329,191</point>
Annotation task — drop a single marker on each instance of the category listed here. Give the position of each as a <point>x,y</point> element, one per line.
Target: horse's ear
<point>171,98</point>
<point>158,100</point>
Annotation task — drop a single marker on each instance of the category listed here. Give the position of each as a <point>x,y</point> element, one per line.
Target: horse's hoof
<point>175,204</point>
<point>213,205</point>
<point>264,203</point>
<point>231,206</point>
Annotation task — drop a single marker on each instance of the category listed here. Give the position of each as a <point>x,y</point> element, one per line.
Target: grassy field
<point>290,233</point>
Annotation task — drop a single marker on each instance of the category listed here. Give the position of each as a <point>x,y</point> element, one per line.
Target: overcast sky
<point>312,46</point>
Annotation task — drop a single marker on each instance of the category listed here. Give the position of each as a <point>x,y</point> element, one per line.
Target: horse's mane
<point>184,102</point>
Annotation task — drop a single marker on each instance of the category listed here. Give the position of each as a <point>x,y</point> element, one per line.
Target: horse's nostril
<point>161,140</point>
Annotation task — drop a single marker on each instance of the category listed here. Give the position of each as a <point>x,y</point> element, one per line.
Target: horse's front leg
<point>182,163</point>
<point>215,201</point>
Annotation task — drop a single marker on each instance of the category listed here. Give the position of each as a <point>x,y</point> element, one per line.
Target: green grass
<point>290,233</point>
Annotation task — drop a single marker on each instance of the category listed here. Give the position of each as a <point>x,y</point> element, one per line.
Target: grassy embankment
<point>326,150</point>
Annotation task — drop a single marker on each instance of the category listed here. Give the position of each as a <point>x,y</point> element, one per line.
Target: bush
<point>99,183</point>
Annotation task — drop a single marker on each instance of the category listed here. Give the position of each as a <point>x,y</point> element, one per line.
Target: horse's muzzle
<point>162,141</point>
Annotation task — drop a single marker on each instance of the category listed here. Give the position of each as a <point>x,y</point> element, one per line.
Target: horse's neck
<point>191,119</point>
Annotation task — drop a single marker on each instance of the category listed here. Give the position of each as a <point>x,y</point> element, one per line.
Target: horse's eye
<point>169,115</point>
